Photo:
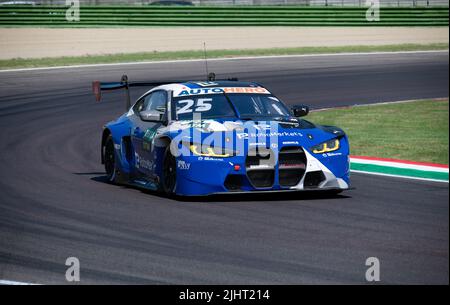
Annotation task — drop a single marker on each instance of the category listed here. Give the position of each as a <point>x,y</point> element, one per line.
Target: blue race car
<point>214,137</point>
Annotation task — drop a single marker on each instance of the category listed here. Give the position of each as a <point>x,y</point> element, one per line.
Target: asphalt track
<point>55,204</point>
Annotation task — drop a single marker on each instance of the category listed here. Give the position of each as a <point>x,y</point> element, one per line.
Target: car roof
<point>177,87</point>
<point>219,83</point>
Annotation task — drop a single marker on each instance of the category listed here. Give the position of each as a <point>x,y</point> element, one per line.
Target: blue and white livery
<point>214,137</point>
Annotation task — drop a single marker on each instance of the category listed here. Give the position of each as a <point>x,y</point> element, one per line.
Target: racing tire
<point>169,173</point>
<point>109,158</point>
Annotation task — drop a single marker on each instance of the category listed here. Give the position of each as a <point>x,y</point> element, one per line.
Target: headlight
<point>325,147</point>
<point>210,151</point>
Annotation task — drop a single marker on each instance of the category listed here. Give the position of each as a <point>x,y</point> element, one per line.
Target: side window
<point>156,101</point>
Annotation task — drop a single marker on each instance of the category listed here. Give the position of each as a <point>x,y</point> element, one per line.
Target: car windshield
<point>242,106</point>
<point>254,106</point>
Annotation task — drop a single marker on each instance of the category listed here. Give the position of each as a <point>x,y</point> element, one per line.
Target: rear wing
<point>98,87</point>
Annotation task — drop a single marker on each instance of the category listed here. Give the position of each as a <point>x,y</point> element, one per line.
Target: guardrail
<point>220,16</point>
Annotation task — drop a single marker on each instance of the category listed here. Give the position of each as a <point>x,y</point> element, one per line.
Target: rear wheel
<point>169,176</point>
<point>110,160</point>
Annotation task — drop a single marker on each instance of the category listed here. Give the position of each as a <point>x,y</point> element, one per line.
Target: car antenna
<point>206,61</point>
<point>210,77</point>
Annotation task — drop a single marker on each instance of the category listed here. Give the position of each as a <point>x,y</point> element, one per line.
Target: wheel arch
<point>161,143</point>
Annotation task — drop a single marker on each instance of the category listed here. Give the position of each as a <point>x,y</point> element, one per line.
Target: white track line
<point>6,282</point>
<point>378,103</point>
<point>398,176</point>
<point>221,59</point>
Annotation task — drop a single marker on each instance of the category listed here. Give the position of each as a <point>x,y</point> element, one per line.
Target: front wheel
<point>110,160</point>
<point>169,175</point>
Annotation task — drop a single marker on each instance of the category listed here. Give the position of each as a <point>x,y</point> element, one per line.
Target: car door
<point>143,132</point>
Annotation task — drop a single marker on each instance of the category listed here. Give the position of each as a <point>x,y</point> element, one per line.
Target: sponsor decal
<point>257,144</point>
<point>260,90</point>
<point>213,159</point>
<point>246,135</point>
<point>147,140</point>
<point>219,90</point>
<point>183,165</point>
<point>331,155</point>
<point>209,159</point>
<point>143,163</point>
<point>290,143</point>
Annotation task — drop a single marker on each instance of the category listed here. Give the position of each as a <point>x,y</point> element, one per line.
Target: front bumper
<point>197,176</point>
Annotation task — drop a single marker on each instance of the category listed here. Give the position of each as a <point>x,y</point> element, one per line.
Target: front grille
<point>292,165</point>
<point>258,157</point>
<point>260,167</point>
<point>261,178</point>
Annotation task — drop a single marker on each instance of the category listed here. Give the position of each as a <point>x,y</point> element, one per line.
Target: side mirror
<point>151,116</point>
<point>300,110</point>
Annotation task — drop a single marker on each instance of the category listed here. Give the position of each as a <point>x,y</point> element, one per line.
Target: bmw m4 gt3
<point>209,137</point>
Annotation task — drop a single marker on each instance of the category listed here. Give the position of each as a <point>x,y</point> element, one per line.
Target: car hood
<point>277,133</point>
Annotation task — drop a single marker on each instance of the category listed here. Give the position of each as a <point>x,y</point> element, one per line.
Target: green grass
<point>158,56</point>
<point>416,131</point>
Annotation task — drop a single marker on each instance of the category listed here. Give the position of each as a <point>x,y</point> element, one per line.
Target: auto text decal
<point>218,90</point>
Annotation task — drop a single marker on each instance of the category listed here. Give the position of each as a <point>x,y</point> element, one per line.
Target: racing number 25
<point>203,104</point>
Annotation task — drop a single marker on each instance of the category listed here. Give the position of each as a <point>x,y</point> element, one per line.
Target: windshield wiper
<point>265,118</point>
<point>231,104</point>
<point>283,119</point>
